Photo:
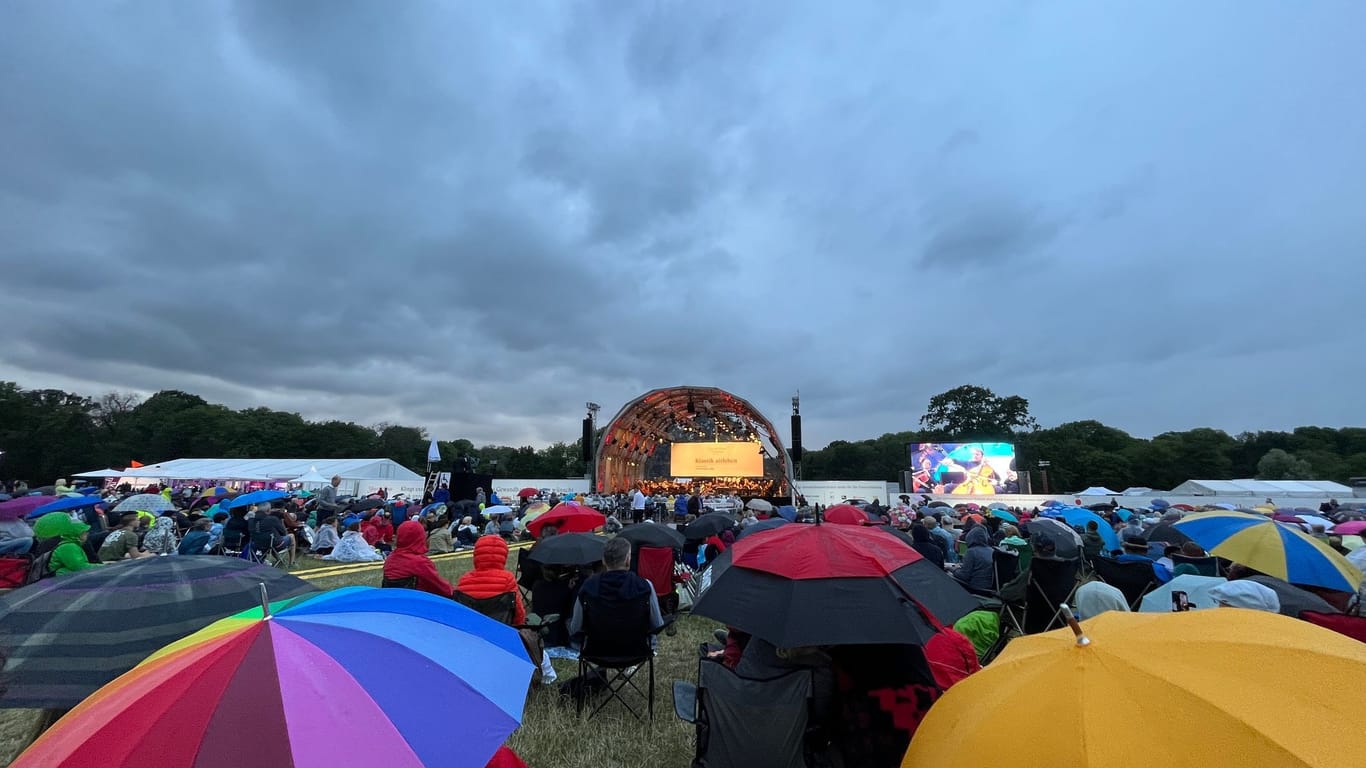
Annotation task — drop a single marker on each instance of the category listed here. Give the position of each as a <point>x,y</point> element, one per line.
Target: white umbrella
<point>759,505</point>
<point>1312,520</point>
<point>145,502</point>
<point>498,509</point>
<point>1196,588</point>
<point>311,477</point>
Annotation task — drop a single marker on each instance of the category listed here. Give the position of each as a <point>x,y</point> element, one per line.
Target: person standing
<point>480,498</point>
<point>327,498</point>
<point>637,505</point>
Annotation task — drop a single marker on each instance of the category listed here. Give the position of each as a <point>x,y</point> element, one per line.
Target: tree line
<point>48,433</point>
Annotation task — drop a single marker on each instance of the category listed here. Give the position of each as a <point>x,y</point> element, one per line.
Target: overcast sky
<point>474,217</point>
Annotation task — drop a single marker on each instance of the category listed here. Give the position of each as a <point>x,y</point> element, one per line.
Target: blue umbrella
<point>762,525</point>
<point>1159,504</point>
<point>90,490</point>
<point>65,504</point>
<point>1124,514</point>
<point>788,513</point>
<point>255,497</point>
<point>1077,517</point>
<point>1009,517</point>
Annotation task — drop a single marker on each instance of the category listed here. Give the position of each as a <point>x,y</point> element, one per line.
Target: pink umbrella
<point>1354,528</point>
<point>15,509</point>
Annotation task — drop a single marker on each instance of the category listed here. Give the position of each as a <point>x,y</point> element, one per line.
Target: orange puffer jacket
<point>490,576</point>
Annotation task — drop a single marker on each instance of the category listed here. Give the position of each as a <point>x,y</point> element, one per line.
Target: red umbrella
<point>568,518</point>
<point>1183,507</point>
<point>527,493</point>
<point>800,585</point>
<point>844,514</point>
<point>15,509</point>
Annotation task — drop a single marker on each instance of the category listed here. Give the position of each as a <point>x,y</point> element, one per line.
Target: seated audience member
<point>70,556</point>
<point>1096,597</point>
<point>1092,544</point>
<point>1136,551</point>
<point>198,540</point>
<point>216,529</point>
<point>16,537</point>
<point>122,542</point>
<point>237,529</point>
<point>466,533</point>
<point>1191,549</point>
<point>924,543</point>
<point>439,540</point>
<point>1166,559</point>
<point>616,584</point>
<point>379,531</point>
<point>409,560</point>
<point>268,533</point>
<point>325,538</point>
<point>978,570</point>
<point>352,547</point>
<point>162,539</point>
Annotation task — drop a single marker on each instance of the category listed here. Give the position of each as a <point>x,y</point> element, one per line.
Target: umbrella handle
<point>1082,639</point>
<point>265,601</point>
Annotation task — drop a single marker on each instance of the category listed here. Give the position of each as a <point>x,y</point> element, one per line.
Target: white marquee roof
<point>1313,488</point>
<point>274,469</point>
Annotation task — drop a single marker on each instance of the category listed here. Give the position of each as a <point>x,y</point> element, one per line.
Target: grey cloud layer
<point>476,218</point>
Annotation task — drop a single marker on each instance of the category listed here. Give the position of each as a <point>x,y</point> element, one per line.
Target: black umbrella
<point>653,535</point>
<point>1168,533</point>
<point>364,505</point>
<point>568,549</point>
<point>68,636</point>
<point>762,525</point>
<point>707,525</point>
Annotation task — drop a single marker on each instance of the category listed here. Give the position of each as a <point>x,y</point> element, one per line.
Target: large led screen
<point>967,469</point>
<point>739,459</point>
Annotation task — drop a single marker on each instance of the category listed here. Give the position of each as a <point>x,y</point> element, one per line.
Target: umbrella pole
<point>265,601</point>
<point>1082,639</point>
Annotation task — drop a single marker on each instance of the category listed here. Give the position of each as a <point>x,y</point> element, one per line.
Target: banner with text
<point>739,459</point>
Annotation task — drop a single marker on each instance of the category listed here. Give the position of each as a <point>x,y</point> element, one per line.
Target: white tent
<point>359,476</point>
<point>101,473</point>
<point>1097,490</point>
<point>311,477</point>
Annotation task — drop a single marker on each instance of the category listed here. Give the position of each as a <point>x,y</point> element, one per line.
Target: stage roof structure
<point>662,416</point>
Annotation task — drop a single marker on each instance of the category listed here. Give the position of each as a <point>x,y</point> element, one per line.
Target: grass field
<point>552,735</point>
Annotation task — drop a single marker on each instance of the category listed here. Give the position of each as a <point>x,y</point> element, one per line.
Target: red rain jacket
<point>378,529</point>
<point>490,576</point>
<point>410,559</point>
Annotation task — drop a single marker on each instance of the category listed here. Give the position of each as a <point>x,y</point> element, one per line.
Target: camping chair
<point>656,565</point>
<point>502,608</point>
<point>408,583</point>
<point>1024,552</point>
<point>616,645</point>
<point>528,573</point>
<point>746,722</point>
<point>1133,579</point>
<point>1052,582</point>
<point>1207,566</point>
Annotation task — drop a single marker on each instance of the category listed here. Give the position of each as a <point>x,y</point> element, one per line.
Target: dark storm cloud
<point>475,219</point>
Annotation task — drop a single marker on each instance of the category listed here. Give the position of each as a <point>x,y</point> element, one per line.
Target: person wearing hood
<point>161,540</point>
<point>491,576</point>
<point>924,543</point>
<point>616,584</point>
<point>69,556</point>
<point>409,561</point>
<point>353,548</point>
<point>379,532</point>
<point>1097,597</point>
<point>977,571</point>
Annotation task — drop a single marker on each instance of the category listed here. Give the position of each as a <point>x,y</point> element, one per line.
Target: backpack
<point>39,567</point>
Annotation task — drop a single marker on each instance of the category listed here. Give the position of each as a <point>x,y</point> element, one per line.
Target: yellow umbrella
<point>1213,688</point>
<point>535,510</point>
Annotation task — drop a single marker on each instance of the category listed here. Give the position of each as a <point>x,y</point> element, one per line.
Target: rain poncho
<point>1246,594</point>
<point>69,556</point>
<point>983,628</point>
<point>353,549</point>
<point>161,540</point>
<point>1097,597</point>
<point>325,538</point>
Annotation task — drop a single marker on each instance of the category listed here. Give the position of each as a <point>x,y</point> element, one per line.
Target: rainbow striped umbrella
<point>357,676</point>
<point>1277,550</point>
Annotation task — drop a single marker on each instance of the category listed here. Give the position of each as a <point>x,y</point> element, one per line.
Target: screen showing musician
<point>964,469</point>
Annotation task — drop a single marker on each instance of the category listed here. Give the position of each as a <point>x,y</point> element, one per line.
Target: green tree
<point>1280,465</point>
<point>976,413</point>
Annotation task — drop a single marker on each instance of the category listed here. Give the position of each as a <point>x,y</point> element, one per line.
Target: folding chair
<point>408,583</point>
<point>744,722</point>
<point>528,573</point>
<point>1052,582</point>
<point>1133,579</point>
<point>616,645</point>
<point>1207,566</point>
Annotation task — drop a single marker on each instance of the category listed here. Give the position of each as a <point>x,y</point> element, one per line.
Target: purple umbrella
<point>20,507</point>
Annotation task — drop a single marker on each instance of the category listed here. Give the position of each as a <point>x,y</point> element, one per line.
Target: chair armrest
<point>685,701</point>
